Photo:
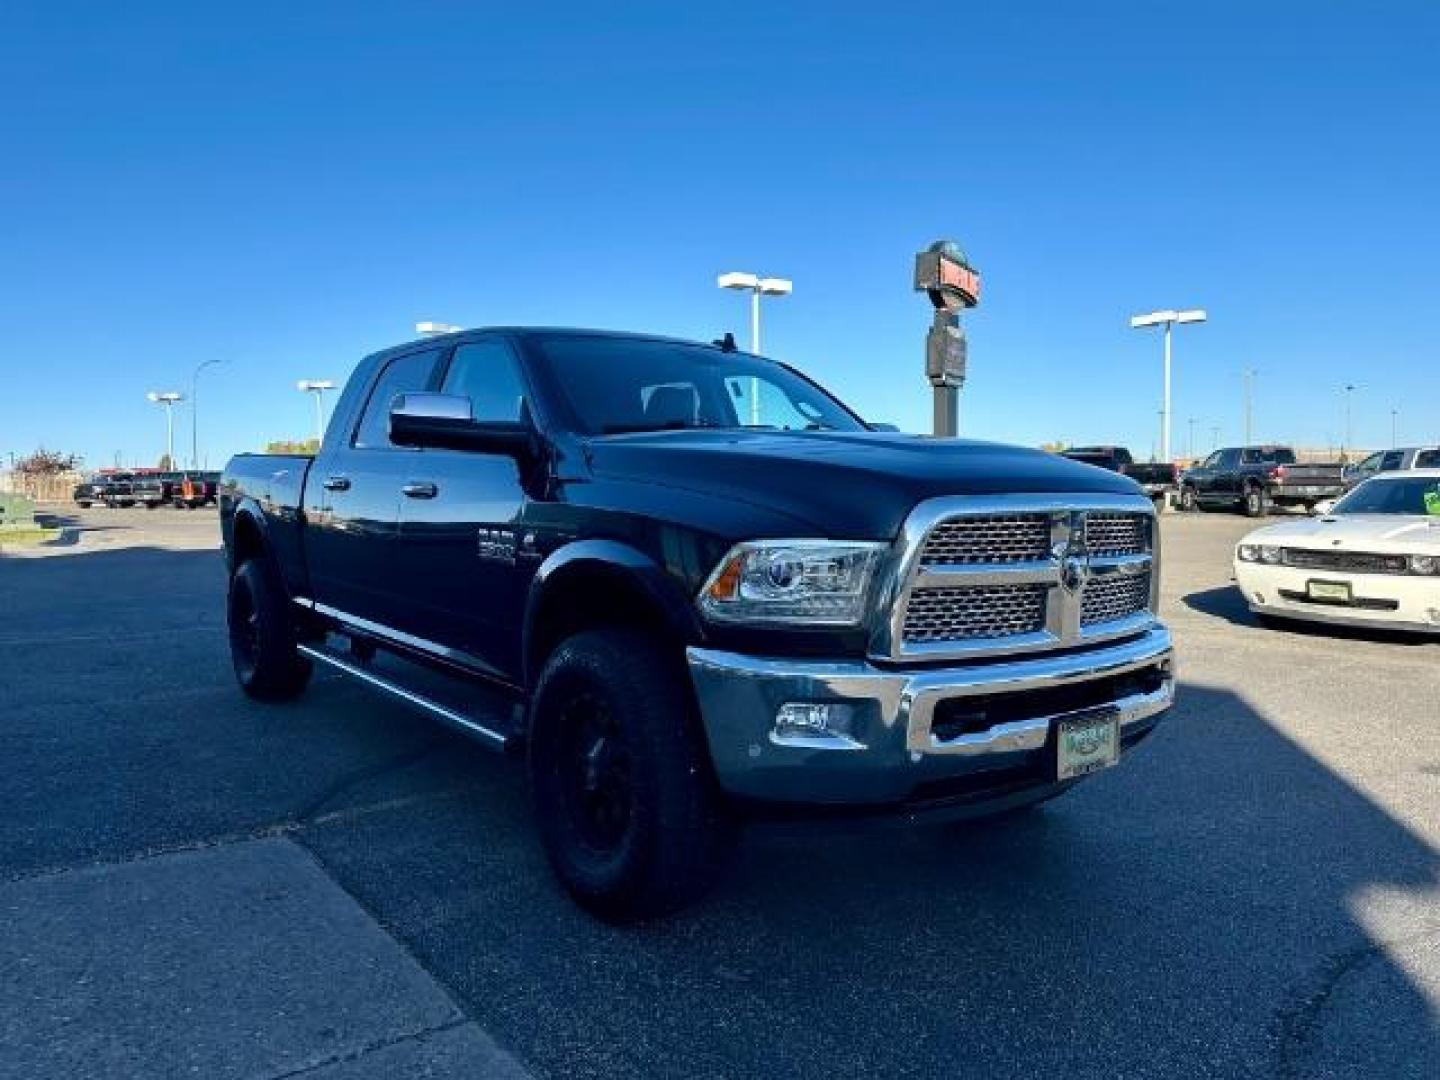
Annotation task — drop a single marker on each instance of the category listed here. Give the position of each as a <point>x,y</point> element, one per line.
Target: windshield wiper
<point>668,425</point>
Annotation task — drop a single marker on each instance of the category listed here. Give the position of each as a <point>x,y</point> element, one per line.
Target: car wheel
<point>83,505</point>
<point>629,811</point>
<point>1188,502</point>
<point>1255,502</point>
<point>263,649</point>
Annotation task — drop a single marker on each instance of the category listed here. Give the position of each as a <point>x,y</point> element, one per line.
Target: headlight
<point>1271,555</point>
<point>809,582</point>
<point>1425,564</point>
<point>1248,553</point>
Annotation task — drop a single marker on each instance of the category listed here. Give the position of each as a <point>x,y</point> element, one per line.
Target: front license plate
<point>1337,592</point>
<point>1086,745</point>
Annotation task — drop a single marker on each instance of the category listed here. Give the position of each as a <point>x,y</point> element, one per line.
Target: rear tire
<point>263,650</point>
<point>1256,505</point>
<point>629,811</point>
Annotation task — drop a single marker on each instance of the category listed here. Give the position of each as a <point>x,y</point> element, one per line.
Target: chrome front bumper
<point>894,749</point>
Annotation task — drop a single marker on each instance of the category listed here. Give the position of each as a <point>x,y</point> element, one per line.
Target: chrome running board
<point>495,740</point>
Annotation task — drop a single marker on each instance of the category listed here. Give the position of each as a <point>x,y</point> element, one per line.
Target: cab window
<point>404,374</point>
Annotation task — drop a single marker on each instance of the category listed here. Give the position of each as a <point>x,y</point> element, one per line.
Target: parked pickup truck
<point>1156,479</point>
<point>715,592</point>
<point>1255,478</point>
<point>1400,459</point>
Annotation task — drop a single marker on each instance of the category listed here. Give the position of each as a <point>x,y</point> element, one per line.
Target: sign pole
<point>946,276</point>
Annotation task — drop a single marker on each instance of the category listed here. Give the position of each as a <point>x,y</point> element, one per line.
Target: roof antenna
<point>727,343</point>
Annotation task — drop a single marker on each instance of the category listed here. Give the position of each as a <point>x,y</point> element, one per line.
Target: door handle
<point>336,483</point>
<point>420,489</point>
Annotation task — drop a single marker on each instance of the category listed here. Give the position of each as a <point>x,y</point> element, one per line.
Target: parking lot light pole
<point>1166,318</point>
<point>1394,428</point>
<point>1349,389</point>
<point>168,398</point>
<point>757,287</point>
<point>195,412</point>
<point>317,387</point>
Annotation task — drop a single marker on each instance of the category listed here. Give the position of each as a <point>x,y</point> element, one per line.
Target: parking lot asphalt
<point>194,884</point>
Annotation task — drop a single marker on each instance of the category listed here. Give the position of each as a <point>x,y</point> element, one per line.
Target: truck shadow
<point>1223,902</point>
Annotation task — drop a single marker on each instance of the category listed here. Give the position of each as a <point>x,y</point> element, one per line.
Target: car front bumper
<point>1408,602</point>
<point>918,734</point>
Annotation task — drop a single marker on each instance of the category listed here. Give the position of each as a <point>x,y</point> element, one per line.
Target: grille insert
<point>1108,535</point>
<point>1359,562</point>
<point>967,614</point>
<point>1114,596</point>
<point>988,538</point>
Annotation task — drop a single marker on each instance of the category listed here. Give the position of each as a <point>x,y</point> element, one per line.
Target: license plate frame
<point>1329,592</point>
<point>1086,743</point>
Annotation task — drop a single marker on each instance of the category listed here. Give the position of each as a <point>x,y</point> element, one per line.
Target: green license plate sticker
<point>1086,745</point>
<point>1432,501</point>
<point>1338,591</point>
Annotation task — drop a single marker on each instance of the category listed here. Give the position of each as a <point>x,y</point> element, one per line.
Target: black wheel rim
<point>595,773</point>
<point>244,626</point>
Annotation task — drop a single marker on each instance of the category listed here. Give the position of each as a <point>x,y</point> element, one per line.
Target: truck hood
<point>1384,533</point>
<point>850,485</point>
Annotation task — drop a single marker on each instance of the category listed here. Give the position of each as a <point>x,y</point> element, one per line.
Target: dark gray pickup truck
<point>715,594</point>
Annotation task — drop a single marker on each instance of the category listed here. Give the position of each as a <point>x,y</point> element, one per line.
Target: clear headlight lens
<point>807,582</point>
<point>1271,555</point>
<point>1248,553</point>
<point>1425,564</point>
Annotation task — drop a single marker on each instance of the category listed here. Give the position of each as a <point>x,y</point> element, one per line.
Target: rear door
<point>352,501</point>
<point>463,547</point>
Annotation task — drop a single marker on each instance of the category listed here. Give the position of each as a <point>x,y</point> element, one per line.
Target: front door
<point>463,547</point>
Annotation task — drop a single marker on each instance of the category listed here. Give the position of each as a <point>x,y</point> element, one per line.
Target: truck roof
<point>540,331</point>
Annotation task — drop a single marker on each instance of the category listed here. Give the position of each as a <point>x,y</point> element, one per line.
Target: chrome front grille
<point>1017,574</point>
<point>988,538</point>
<point>1116,534</point>
<point>970,614</point>
<point>1114,596</point>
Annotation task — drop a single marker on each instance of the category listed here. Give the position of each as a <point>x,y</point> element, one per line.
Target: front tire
<point>629,811</point>
<point>263,642</point>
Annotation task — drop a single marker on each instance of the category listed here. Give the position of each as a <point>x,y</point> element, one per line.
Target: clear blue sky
<point>288,186</point>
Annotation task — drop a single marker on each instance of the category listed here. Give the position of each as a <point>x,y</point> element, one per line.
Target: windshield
<point>1418,496</point>
<point>615,385</point>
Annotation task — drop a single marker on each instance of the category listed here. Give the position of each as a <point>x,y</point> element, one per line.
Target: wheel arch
<point>593,583</point>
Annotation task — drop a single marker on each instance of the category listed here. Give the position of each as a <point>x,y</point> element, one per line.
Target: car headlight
<point>807,582</point>
<point>1248,553</point>
<point>1425,564</point>
<point>1272,555</point>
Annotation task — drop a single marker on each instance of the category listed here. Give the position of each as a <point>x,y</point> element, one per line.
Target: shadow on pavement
<point>1210,907</point>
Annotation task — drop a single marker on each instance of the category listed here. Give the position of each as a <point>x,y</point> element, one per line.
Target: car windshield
<point>1418,496</point>
<point>616,385</point>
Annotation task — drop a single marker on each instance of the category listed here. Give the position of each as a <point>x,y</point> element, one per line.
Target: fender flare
<point>621,565</point>
<point>247,515</point>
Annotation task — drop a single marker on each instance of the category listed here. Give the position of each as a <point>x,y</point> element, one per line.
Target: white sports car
<point>1373,560</point>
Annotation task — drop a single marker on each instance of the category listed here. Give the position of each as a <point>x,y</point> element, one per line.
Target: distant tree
<point>47,463</point>
<point>1056,447</point>
<point>165,464</point>
<point>291,446</point>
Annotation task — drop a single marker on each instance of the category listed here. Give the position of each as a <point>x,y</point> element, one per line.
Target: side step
<point>495,740</point>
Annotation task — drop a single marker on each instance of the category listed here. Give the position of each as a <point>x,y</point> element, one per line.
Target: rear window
<point>1268,455</point>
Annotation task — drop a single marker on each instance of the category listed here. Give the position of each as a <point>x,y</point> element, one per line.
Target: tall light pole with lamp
<point>1166,318</point>
<point>318,388</point>
<point>168,398</point>
<point>195,412</point>
<point>1349,390</point>
<point>757,287</point>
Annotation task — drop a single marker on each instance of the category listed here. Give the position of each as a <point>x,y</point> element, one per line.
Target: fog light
<point>811,718</point>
